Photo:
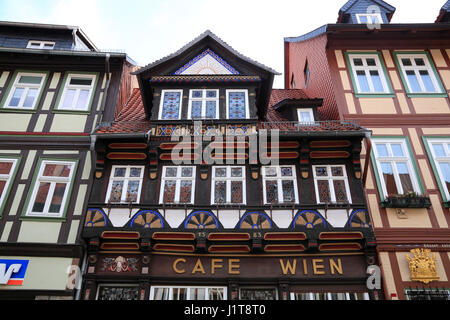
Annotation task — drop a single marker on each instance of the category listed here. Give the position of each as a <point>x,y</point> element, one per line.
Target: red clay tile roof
<point>133,109</point>
<point>279,95</point>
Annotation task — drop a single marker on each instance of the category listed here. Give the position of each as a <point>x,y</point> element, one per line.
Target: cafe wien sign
<point>258,266</point>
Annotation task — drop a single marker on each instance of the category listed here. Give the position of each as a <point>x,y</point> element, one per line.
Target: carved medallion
<point>422,265</point>
<point>119,264</point>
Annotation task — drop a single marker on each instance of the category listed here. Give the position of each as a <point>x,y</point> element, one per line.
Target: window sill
<point>406,202</point>
<point>71,111</point>
<point>12,110</point>
<point>427,95</point>
<point>43,218</point>
<point>374,95</point>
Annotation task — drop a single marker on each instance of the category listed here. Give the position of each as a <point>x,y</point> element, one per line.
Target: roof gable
<point>348,12</point>
<point>207,62</point>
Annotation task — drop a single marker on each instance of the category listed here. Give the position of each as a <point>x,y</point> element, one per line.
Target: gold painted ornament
<point>422,265</point>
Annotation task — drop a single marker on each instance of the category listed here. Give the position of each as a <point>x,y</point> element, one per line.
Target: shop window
<point>329,296</point>
<point>331,184</point>
<point>228,185</point>
<point>118,292</point>
<point>177,185</point>
<point>170,105</point>
<point>51,187</point>
<point>78,92</point>
<point>125,184</point>
<point>203,104</point>
<point>427,294</point>
<point>187,293</point>
<point>237,104</point>
<point>25,91</point>
<point>279,184</point>
<point>395,168</point>
<point>257,294</point>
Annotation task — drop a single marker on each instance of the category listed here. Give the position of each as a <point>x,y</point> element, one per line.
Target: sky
<point>148,30</point>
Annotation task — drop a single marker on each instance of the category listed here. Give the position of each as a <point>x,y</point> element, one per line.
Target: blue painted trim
<point>202,211</point>
<point>355,212</point>
<point>203,54</point>
<point>306,211</point>
<point>105,217</point>
<point>260,213</point>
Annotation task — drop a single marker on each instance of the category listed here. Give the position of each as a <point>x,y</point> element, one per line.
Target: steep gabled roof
<point>444,13</point>
<point>201,37</point>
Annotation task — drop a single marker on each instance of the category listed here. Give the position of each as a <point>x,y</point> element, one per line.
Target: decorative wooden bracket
<point>304,160</point>
<point>153,164</point>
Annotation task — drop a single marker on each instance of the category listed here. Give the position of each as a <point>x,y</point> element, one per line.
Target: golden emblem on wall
<point>422,265</point>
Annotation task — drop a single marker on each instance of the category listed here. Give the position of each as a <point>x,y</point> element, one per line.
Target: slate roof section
<point>444,13</point>
<point>381,3</point>
<point>205,34</point>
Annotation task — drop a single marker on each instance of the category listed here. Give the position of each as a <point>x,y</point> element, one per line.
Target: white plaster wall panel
<point>174,217</point>
<point>337,218</point>
<point>119,217</point>
<point>228,218</point>
<point>282,218</point>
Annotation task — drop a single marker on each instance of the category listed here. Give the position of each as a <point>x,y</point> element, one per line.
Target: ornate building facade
<point>55,86</point>
<point>394,79</point>
<point>182,205</point>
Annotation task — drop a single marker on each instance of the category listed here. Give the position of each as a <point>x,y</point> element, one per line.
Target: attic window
<point>33,44</point>
<point>369,18</point>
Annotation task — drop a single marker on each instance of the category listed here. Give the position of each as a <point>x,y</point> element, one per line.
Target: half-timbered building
<point>188,202</point>
<point>55,86</point>
<point>393,78</point>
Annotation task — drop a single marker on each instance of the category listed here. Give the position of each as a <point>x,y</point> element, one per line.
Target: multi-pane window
<point>125,184</point>
<point>203,104</point>
<point>427,294</point>
<point>77,93</point>
<point>188,293</point>
<point>395,168</point>
<point>305,115</point>
<point>7,169</point>
<point>35,44</point>
<point>51,188</point>
<point>369,74</point>
<point>237,104</point>
<point>25,91</point>
<point>331,184</point>
<point>418,73</point>
<point>329,296</point>
<point>369,18</point>
<point>228,185</point>
<point>279,184</point>
<point>177,185</point>
<point>440,151</point>
<point>170,105</point>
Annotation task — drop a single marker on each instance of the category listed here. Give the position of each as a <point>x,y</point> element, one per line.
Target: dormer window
<point>170,106</point>
<point>203,104</point>
<point>237,104</point>
<point>369,18</point>
<point>33,44</point>
<point>305,115</point>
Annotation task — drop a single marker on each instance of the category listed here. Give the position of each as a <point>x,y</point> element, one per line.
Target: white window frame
<point>152,291</point>
<point>125,180</point>
<point>27,87</point>
<point>247,110</point>
<point>312,295</point>
<point>228,179</point>
<point>53,181</point>
<point>392,160</point>
<point>178,180</point>
<point>330,178</point>
<point>41,43</point>
<point>311,113</point>
<point>78,88</point>
<point>369,17</point>
<point>437,159</point>
<point>203,99</point>
<point>279,179</point>
<point>417,70</point>
<point>7,178</point>
<point>367,69</point>
<point>161,103</point>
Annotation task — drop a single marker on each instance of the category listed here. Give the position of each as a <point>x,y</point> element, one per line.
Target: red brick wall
<point>320,83</point>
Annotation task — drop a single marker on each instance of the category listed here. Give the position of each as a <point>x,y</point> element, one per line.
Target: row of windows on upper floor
<point>417,70</point>
<point>393,162</point>
<point>204,104</point>
<point>26,87</point>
